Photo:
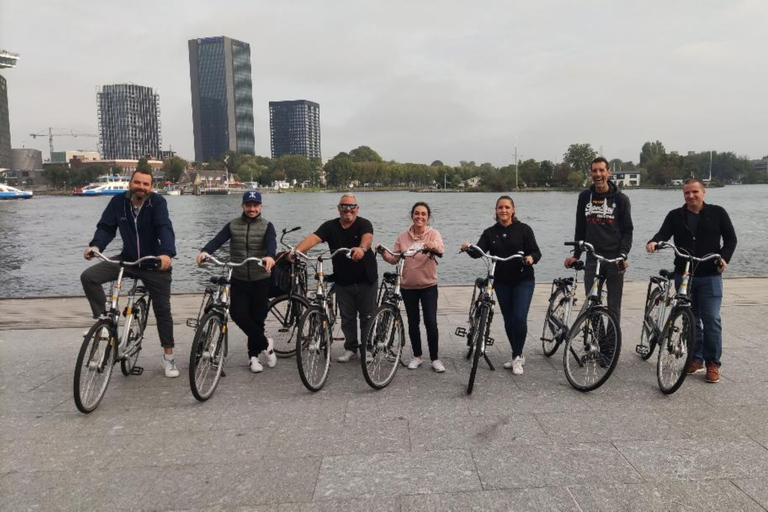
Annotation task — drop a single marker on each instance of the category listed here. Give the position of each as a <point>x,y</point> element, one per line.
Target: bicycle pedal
<point>642,350</point>
<point>137,370</point>
<point>338,338</point>
<point>461,331</point>
<point>192,322</point>
<point>489,342</point>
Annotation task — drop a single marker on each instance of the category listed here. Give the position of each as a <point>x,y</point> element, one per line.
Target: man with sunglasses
<point>355,277</point>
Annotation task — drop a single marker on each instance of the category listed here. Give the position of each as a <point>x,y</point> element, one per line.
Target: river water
<point>42,239</point>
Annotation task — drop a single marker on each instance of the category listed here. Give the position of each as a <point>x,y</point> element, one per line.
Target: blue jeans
<point>514,302</point>
<point>706,294</point>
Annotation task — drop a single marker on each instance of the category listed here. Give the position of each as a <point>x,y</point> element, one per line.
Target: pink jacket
<point>420,271</point>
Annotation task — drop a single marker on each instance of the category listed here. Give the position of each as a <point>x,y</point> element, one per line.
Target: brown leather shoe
<point>713,373</point>
<point>695,367</point>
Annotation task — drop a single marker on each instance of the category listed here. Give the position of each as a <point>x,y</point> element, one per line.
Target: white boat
<point>7,192</point>
<point>106,186</point>
<point>170,190</point>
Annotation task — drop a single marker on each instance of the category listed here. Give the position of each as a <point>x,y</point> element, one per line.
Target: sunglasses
<point>347,207</point>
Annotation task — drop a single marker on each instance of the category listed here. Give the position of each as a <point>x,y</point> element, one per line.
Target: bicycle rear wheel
<point>478,342</point>
<point>94,366</point>
<point>138,322</point>
<point>283,320</point>
<point>384,339</point>
<point>676,345</point>
<point>592,349</point>
<point>554,322</point>
<point>650,334</point>
<point>313,348</point>
<point>206,359</point>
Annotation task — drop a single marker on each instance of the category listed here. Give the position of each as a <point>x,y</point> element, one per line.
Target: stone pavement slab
<point>263,442</point>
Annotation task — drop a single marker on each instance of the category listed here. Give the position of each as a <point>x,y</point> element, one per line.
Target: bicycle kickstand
<point>488,361</point>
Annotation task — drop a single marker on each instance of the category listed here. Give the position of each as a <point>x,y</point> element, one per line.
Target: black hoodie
<point>605,221</point>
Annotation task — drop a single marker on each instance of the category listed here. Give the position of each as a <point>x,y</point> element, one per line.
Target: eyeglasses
<point>347,207</point>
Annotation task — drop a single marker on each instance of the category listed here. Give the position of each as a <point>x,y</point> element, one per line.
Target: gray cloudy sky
<point>417,80</point>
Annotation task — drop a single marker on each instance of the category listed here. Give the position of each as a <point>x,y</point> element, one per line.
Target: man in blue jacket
<point>146,230</point>
<point>699,228</point>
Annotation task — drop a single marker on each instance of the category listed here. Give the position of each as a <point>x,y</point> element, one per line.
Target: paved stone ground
<point>263,442</point>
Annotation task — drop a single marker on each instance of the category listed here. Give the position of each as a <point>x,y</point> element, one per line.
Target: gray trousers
<point>157,282</point>
<point>355,300</point>
<point>614,283</point>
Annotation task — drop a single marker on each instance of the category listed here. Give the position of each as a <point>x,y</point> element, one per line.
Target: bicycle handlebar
<point>125,263</point>
<point>408,253</point>
<point>678,252</point>
<point>285,232</point>
<point>519,255</point>
<point>586,246</point>
<point>229,264</point>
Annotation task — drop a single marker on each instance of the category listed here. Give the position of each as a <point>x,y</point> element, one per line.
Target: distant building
<point>295,128</point>
<point>26,159</point>
<point>127,166</point>
<point>65,157</point>
<point>761,165</point>
<point>129,122</point>
<point>222,97</point>
<point>627,179</point>
<point>5,126</point>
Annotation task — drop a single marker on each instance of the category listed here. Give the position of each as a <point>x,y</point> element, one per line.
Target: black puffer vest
<point>247,239</point>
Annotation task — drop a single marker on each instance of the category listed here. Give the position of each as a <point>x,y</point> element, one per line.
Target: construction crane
<point>51,135</point>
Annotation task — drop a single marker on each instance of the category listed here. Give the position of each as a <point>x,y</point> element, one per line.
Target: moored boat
<point>7,192</point>
<point>106,186</point>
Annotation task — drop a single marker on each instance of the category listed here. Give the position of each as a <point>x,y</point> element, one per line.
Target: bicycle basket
<point>280,281</point>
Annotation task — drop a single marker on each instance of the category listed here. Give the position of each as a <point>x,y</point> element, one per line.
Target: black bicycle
<point>481,314</point>
<point>562,300</point>
<point>209,346</point>
<point>105,344</point>
<point>593,343</point>
<point>286,309</point>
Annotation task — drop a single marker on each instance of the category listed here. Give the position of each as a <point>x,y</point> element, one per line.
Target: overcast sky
<point>416,80</point>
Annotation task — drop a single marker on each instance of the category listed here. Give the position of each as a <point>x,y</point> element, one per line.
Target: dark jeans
<point>613,286</point>
<point>514,302</point>
<point>428,298</point>
<point>355,300</point>
<point>157,282</point>
<point>249,308</point>
<point>706,294</point>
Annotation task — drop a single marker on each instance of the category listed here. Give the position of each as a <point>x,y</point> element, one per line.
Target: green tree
<point>296,167</point>
<point>437,163</point>
<point>579,157</point>
<point>143,165</point>
<point>528,172</point>
<point>57,176</point>
<point>364,154</point>
<point>495,181</point>
<point>650,151</point>
<point>339,172</point>
<point>173,168</point>
<point>546,172</point>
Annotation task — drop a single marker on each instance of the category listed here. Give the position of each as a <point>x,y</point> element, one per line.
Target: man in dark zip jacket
<point>604,219</point>
<point>249,235</point>
<point>698,228</point>
<point>146,230</point>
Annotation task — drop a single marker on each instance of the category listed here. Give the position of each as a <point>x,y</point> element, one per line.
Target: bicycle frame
<point>571,286</point>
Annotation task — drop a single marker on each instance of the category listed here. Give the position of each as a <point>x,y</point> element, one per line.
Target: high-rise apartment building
<point>7,60</point>
<point>129,122</point>
<point>222,96</point>
<point>295,128</point>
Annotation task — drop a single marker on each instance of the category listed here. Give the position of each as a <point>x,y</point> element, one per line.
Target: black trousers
<point>428,299</point>
<point>157,282</point>
<point>248,308</point>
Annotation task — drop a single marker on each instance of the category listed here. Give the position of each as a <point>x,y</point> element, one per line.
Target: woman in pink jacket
<point>419,282</point>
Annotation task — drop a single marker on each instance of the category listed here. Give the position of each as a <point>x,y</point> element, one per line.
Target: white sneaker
<point>170,367</point>
<point>256,365</point>
<point>438,366</point>
<point>510,364</point>
<point>346,356</point>
<point>270,353</point>
<point>415,363</point>
<point>517,365</point>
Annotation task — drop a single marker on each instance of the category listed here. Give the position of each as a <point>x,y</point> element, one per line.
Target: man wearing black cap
<point>250,235</point>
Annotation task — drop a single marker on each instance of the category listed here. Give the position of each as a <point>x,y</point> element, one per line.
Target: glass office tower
<point>295,128</point>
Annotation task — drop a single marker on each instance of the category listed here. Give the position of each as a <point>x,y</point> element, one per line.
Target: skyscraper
<point>295,128</point>
<point>129,122</point>
<point>7,60</point>
<point>222,96</point>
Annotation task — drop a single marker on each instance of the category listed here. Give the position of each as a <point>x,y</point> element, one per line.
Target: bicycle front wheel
<point>676,345</point>
<point>384,342</point>
<point>282,322</point>
<point>138,322</point>
<point>554,322</point>
<point>206,359</point>
<point>592,349</point>
<point>650,333</point>
<point>313,348</point>
<point>480,325</point>
<point>94,366</point>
